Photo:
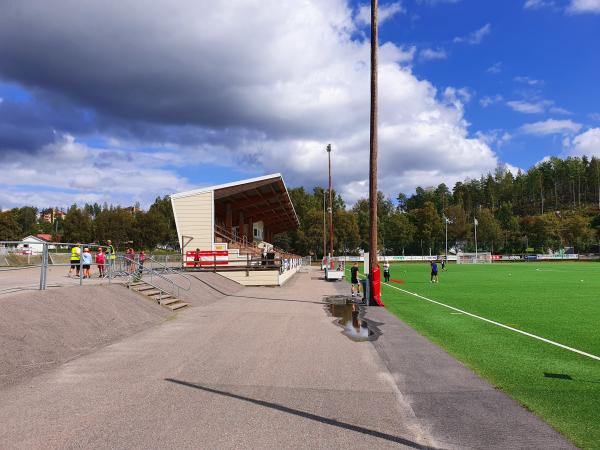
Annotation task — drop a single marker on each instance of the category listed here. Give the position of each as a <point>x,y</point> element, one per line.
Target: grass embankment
<point>557,301</point>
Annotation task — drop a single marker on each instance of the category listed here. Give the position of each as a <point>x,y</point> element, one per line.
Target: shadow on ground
<point>306,415</point>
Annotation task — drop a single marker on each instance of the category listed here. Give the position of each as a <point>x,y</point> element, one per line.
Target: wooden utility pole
<point>373,261</point>
<point>330,204</point>
<point>324,228</point>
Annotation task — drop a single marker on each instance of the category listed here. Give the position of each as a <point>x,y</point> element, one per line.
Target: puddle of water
<point>350,316</point>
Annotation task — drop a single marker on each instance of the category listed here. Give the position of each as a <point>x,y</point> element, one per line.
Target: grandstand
<point>229,229</point>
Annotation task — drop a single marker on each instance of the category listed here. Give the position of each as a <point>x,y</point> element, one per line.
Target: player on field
<point>434,272</point>
<point>355,287</point>
<point>386,271</point>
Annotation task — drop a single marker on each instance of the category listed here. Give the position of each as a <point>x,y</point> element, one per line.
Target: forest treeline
<point>553,205</point>
<point>126,227</point>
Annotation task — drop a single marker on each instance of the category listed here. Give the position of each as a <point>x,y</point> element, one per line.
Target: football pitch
<point>556,302</point>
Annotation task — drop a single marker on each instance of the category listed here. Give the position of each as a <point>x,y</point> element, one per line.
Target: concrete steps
<point>161,297</point>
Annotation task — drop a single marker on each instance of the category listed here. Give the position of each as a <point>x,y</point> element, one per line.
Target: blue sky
<point>534,55</point>
<point>223,91</point>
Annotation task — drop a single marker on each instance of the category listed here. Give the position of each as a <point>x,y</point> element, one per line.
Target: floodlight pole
<point>373,260</point>
<point>330,204</point>
<point>475,240</point>
<point>324,228</point>
<point>446,221</point>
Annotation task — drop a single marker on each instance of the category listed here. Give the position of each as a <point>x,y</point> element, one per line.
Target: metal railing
<point>243,241</point>
<point>137,271</point>
<point>168,269</point>
<point>43,256</point>
<point>41,249</point>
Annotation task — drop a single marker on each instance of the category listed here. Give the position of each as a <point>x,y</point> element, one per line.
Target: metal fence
<point>25,256</point>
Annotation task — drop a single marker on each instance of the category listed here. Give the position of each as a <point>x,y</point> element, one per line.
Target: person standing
<point>444,264</point>
<point>129,257</point>
<point>434,272</point>
<point>100,260</point>
<point>386,271</point>
<point>86,259</point>
<point>141,259</point>
<point>355,287</point>
<point>75,261</point>
<point>110,254</point>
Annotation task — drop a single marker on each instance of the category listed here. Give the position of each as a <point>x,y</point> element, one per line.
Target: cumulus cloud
<point>584,6</point>
<point>526,107</point>
<point>495,137</point>
<point>259,87</point>
<point>386,11</point>
<point>587,143</point>
<point>476,37</point>
<point>430,54</point>
<point>67,171</point>
<point>551,126</point>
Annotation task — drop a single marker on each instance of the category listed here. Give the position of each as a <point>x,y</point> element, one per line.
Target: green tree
<point>428,226</point>
<point>77,226</point>
<point>489,232</point>
<point>9,228</point>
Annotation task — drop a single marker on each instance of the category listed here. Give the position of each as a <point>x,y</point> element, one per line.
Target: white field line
<point>547,341</point>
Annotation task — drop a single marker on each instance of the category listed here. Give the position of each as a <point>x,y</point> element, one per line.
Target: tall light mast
<point>330,204</point>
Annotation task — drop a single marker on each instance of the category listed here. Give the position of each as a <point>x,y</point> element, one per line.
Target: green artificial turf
<point>557,301</point>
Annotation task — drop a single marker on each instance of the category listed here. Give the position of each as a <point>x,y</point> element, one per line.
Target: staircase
<point>158,295</point>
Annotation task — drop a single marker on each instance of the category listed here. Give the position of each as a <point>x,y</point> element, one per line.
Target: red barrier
<point>195,258</point>
<point>376,277</point>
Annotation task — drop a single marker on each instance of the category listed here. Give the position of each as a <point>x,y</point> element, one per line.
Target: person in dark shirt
<point>355,287</point>
<point>434,272</point>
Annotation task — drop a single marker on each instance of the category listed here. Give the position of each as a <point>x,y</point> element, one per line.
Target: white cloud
<point>594,116</point>
<point>526,107</point>
<point>270,90</point>
<point>537,107</point>
<point>476,37</point>
<point>538,4</point>
<point>437,2</point>
<point>584,6</point>
<point>495,68</point>
<point>558,110</point>
<point>94,175</point>
<point>528,81</point>
<point>385,12</point>
<point>494,137</point>
<point>457,96</point>
<point>551,126</point>
<point>587,143</point>
<point>490,100</point>
<point>430,54</point>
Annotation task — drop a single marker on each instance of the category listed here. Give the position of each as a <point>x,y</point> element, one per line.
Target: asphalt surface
<point>265,368</point>
<point>461,409</point>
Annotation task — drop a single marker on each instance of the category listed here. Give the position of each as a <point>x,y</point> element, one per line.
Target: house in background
<point>34,245</point>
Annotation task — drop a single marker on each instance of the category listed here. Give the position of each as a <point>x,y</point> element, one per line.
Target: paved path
<point>262,368</point>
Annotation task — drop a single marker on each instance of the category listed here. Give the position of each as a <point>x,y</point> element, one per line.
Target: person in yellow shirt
<point>75,258</point>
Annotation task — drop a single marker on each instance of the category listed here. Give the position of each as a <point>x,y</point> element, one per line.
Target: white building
<point>34,245</point>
